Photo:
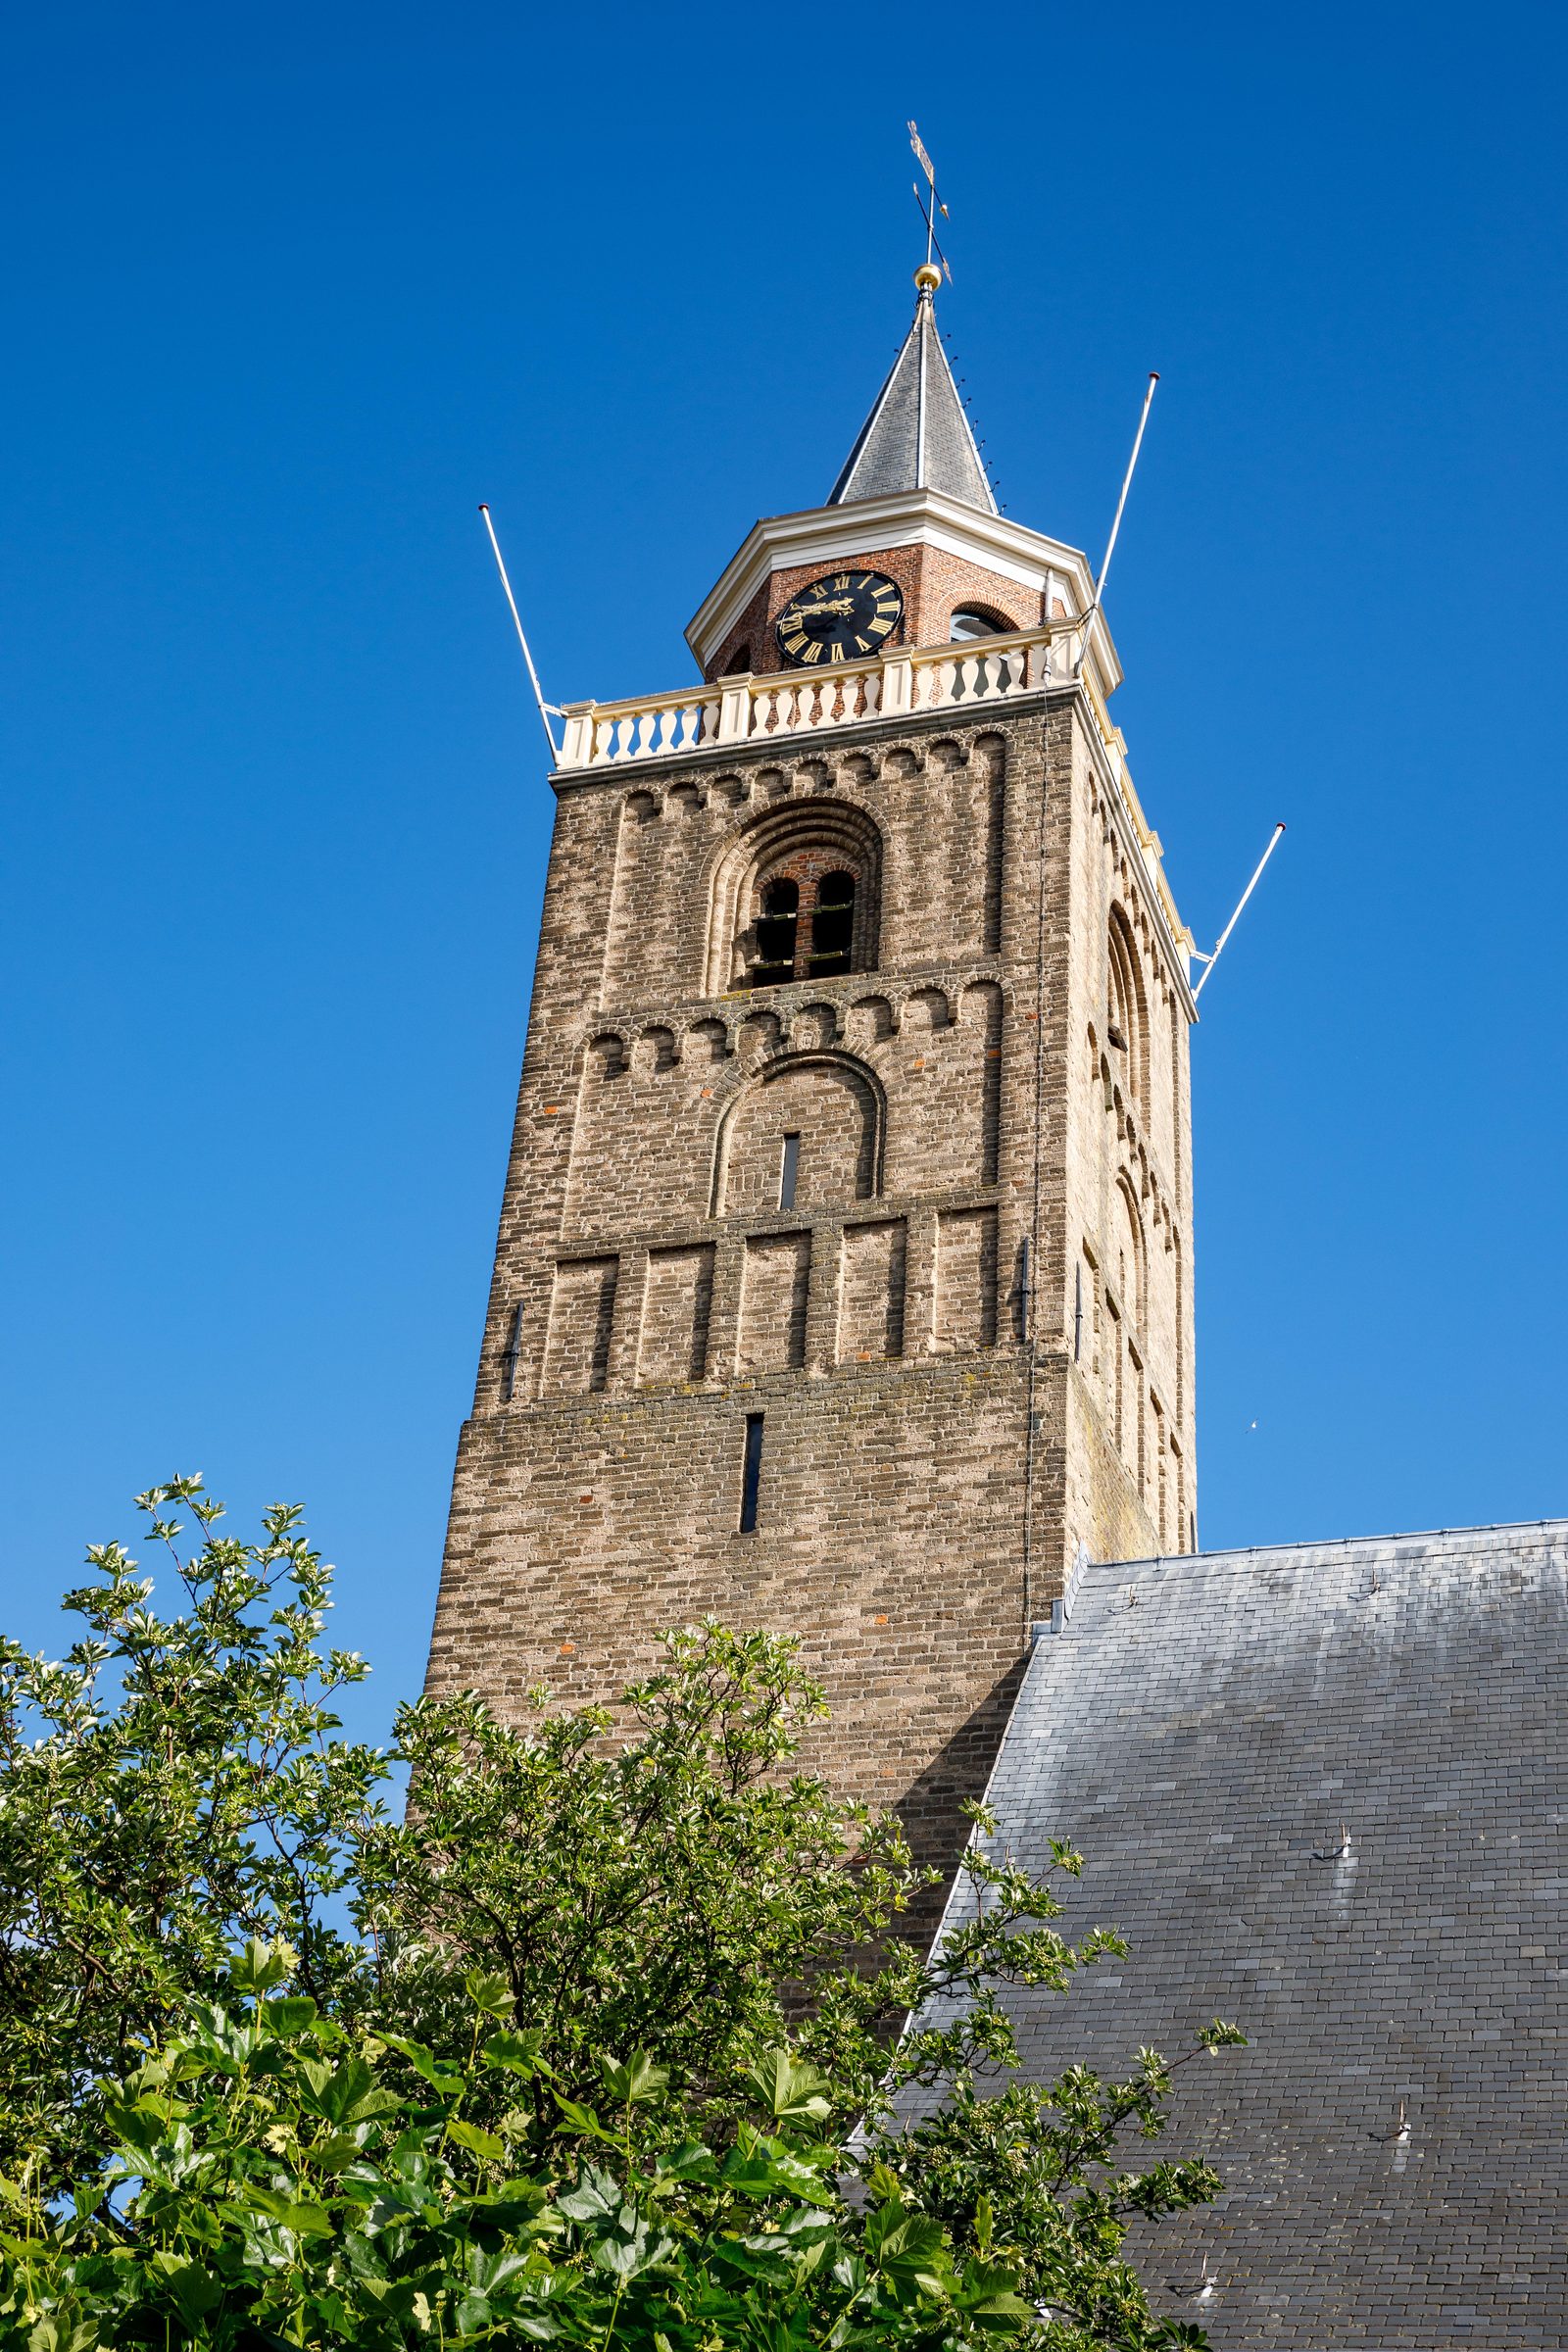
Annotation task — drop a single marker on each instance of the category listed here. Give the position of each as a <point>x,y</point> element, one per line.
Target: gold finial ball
<point>927,279</point>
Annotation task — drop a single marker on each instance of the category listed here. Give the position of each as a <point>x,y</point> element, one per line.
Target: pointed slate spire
<point>918,436</point>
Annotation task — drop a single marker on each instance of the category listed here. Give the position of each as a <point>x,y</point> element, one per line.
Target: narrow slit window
<point>789,1170</point>
<point>512,1356</point>
<point>833,926</point>
<point>750,1474</point>
<point>777,927</point>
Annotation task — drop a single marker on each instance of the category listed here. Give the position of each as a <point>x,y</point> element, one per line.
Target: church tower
<point>844,1280</point>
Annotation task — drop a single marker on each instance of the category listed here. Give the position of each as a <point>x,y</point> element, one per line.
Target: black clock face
<point>841,617</point>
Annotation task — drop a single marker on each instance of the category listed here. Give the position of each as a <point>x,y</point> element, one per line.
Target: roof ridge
<point>1337,1544</point>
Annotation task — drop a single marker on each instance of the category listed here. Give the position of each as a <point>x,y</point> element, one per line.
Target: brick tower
<point>844,1280</point>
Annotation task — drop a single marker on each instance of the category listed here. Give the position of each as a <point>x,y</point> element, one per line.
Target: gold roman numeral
<point>840,579</point>
<point>792,644</point>
<point>863,644</point>
<point>835,652</point>
<point>879,624</point>
<point>812,653</point>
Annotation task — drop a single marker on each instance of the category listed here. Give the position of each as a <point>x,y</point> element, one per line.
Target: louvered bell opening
<point>775,959</point>
<point>833,927</point>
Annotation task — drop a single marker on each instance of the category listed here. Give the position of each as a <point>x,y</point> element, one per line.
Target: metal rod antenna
<point>1209,961</point>
<point>1110,544</point>
<point>533,675</point>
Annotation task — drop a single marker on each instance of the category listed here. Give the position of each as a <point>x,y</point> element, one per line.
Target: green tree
<point>270,2188</point>
<point>171,1787</point>
<point>656,1878</point>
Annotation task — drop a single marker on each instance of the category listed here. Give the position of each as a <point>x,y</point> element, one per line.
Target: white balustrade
<point>923,678</point>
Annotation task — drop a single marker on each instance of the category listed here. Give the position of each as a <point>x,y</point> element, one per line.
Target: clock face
<point>842,618</point>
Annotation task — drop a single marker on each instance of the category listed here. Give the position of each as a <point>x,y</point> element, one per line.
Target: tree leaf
<point>425,2063</point>
<point>195,2291</point>
<point>491,1993</point>
<point>583,2119</point>
<point>595,2196</point>
<point>520,2051</point>
<point>789,2089</point>
<point>638,2081</point>
<point>260,1965</point>
<point>290,2015</point>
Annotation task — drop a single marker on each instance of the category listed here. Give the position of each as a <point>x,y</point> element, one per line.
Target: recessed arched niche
<point>805,1134</point>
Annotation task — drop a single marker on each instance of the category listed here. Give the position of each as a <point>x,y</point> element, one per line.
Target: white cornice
<point>911,518</point>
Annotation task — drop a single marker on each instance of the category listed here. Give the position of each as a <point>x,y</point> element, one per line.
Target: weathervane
<point>929,210</point>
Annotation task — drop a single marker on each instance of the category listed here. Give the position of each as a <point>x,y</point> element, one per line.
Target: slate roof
<point>918,436</point>
<point>1199,1727</point>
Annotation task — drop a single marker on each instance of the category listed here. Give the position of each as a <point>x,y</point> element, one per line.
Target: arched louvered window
<point>797,896</point>
<point>806,924</point>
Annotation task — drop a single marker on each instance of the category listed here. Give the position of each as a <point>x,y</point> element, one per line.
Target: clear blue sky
<point>290,290</point>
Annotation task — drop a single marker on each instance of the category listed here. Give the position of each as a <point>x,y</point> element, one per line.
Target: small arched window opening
<point>777,932</point>
<point>974,620</point>
<point>832,927</point>
<point>739,662</point>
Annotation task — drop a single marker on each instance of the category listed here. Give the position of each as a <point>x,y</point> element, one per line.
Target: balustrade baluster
<point>831,697</point>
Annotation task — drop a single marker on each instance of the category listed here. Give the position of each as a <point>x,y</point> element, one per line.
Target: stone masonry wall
<point>654,1290</point>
